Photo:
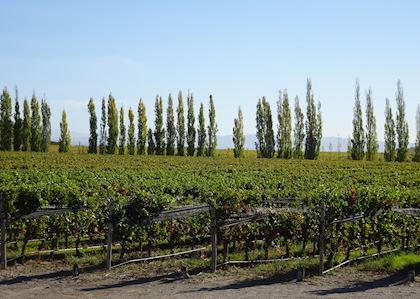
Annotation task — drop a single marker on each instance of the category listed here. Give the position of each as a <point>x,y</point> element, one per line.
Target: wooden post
<point>109,237</point>
<point>213,231</point>
<point>321,238</point>
<point>3,233</point>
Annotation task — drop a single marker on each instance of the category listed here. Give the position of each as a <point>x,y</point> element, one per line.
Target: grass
<point>391,263</point>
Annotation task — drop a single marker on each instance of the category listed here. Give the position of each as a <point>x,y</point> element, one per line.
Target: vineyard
<point>133,192</point>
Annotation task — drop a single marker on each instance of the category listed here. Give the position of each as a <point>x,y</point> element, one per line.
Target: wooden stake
<point>3,233</point>
<point>109,238</point>
<point>321,239</point>
<point>213,262</point>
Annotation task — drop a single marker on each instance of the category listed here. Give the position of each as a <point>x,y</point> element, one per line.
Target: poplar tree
<point>190,126</point>
<point>150,143</point>
<point>180,126</point>
<point>390,146</point>
<point>170,128</point>
<point>371,137</point>
<point>401,125</point>
<point>159,130</point>
<point>358,140</point>
<point>269,134</point>
<point>142,129</point>
<point>260,144</point>
<point>26,127</point>
<point>93,126</point>
<point>131,133</point>
<point>46,125</point>
<point>299,134</point>
<point>313,125</point>
<point>103,137</point>
<point>201,132</point>
<point>112,126</point>
<point>238,135</point>
<point>6,122</point>
<point>284,136</point>
<point>121,148</point>
<point>36,134</point>
<point>64,142</point>
<point>416,157</point>
<point>17,128</point>
<point>212,130</point>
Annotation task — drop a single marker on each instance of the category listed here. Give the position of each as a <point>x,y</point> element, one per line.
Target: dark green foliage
<point>93,126</point>
<point>416,157</point>
<point>65,141</point>
<point>151,148</point>
<point>159,130</point>
<point>401,125</point>
<point>6,122</point>
<point>390,146</point>
<point>46,126</point>
<point>358,140</point>
<point>212,129</point>
<point>121,147</point>
<point>103,137</point>
<point>180,126</point>
<point>371,137</point>
<point>112,126</point>
<point>170,128</point>
<point>142,129</point>
<point>265,135</point>
<point>131,133</point>
<point>18,124</point>
<point>284,135</point>
<point>190,126</point>
<point>26,127</point>
<point>313,125</point>
<point>299,134</point>
<point>238,135</point>
<point>201,132</point>
<point>36,133</point>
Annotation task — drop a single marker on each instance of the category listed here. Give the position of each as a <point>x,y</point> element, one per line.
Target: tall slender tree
<point>190,126</point>
<point>103,137</point>
<point>284,137</point>
<point>151,149</point>
<point>65,141</point>
<point>142,129</point>
<point>180,126</point>
<point>299,134</point>
<point>93,126</point>
<point>36,135</point>
<point>112,126</point>
<point>212,129</point>
<point>371,137</point>
<point>313,125</point>
<point>269,133</point>
<point>358,140</point>
<point>131,133</point>
<point>26,127</point>
<point>6,122</point>
<point>416,157</point>
<point>159,130</point>
<point>46,125</point>
<point>390,146</point>
<point>17,128</point>
<point>170,128</point>
<point>260,144</point>
<point>201,132</point>
<point>238,135</point>
<point>401,125</point>
<point>121,147</point>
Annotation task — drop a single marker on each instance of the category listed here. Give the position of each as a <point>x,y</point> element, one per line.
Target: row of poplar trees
<point>178,137</point>
<point>32,132</point>
<point>364,144</point>
<point>306,143</point>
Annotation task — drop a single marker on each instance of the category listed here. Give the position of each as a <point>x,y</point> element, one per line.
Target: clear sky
<point>236,50</point>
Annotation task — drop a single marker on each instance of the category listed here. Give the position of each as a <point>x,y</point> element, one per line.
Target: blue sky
<point>236,50</point>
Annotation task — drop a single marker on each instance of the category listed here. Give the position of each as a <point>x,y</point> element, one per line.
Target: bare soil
<point>37,280</point>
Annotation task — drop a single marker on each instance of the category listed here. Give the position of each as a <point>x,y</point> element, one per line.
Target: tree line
<point>364,143</point>
<point>173,138</point>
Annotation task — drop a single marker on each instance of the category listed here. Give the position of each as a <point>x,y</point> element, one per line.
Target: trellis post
<point>3,233</point>
<point>213,231</point>
<point>321,238</point>
<point>109,236</point>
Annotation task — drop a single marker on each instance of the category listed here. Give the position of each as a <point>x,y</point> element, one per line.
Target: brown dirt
<point>38,281</point>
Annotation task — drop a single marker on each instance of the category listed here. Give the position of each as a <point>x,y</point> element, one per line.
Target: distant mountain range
<point>334,144</point>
